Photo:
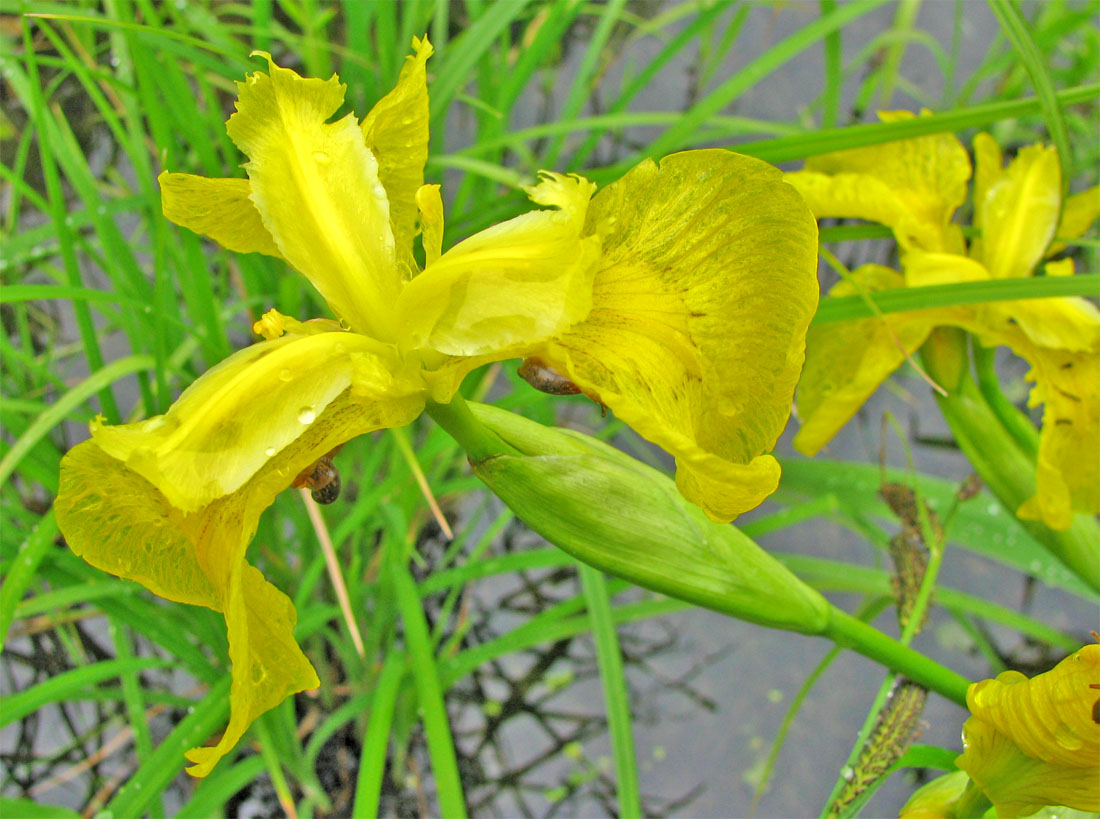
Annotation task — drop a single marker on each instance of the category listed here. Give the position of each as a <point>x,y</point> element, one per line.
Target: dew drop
<point>270,451</point>
<point>321,158</point>
<point>306,415</point>
<point>1067,738</point>
<point>338,349</point>
<point>286,375</point>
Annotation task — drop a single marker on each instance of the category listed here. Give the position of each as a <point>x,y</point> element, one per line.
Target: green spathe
<point>616,514</point>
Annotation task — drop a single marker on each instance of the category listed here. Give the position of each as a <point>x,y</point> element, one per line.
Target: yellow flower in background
<point>914,186</point>
<point>678,297</point>
<point>1035,742</point>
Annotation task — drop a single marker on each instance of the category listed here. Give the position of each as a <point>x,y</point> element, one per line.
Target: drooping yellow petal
<point>705,287</point>
<point>1035,742</point>
<point>847,361</point>
<point>118,521</point>
<point>240,414</point>
<point>1078,213</point>
<point>512,285</point>
<point>396,130</point>
<point>912,185</point>
<point>218,208</point>
<point>1019,213</point>
<point>317,189</point>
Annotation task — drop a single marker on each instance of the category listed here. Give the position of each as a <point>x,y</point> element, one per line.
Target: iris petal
<point>396,130</point>
<point>241,413</point>
<point>511,285</point>
<point>1019,212</point>
<point>317,188</point>
<point>912,185</point>
<point>1034,742</point>
<point>219,208</point>
<point>117,520</point>
<point>705,286</point>
<point>847,361</point>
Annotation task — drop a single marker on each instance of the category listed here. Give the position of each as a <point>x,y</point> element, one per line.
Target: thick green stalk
<point>996,455</point>
<point>852,633</point>
<point>479,441</point>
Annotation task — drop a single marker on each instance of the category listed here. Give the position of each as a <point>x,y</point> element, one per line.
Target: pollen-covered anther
<point>271,325</point>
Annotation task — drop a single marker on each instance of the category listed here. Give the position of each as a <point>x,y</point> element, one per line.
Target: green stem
<point>479,441</point>
<point>850,632</point>
<point>1018,425</point>
<point>997,457</point>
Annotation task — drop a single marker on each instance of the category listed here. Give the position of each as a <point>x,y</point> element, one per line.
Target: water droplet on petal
<point>270,451</point>
<point>286,375</point>
<point>321,158</point>
<point>306,415</point>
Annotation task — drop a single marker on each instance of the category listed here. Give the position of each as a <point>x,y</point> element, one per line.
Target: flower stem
<point>479,441</point>
<point>850,632</point>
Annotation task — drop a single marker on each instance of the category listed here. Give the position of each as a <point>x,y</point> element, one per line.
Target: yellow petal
<point>912,185</point>
<point>847,361</point>
<point>705,287</point>
<point>1078,213</point>
<point>1035,742</point>
<point>1019,213</point>
<point>267,663</point>
<point>1068,473</point>
<point>317,189</point>
<point>396,130</point>
<point>430,205</point>
<point>118,521</point>
<point>512,285</point>
<point>240,414</point>
<point>218,208</point>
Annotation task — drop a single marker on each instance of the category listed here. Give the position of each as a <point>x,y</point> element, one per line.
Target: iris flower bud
<point>619,515</point>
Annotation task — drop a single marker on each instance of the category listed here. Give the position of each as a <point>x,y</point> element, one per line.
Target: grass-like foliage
<point>467,666</point>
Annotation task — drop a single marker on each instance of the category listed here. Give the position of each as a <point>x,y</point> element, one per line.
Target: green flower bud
<point>619,515</point>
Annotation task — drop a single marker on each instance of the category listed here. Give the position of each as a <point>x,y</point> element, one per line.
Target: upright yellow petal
<point>912,185</point>
<point>243,412</point>
<point>705,287</point>
<point>430,205</point>
<point>317,189</point>
<point>847,361</point>
<point>219,208</point>
<point>1035,742</point>
<point>1019,212</point>
<point>512,285</point>
<point>396,130</point>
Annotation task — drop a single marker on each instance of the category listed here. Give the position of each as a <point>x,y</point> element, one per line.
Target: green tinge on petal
<point>1078,213</point>
<point>396,129</point>
<point>509,286</point>
<point>1019,213</point>
<point>240,414</point>
<point>219,208</point>
<point>912,185</point>
<point>1034,742</point>
<point>118,521</point>
<point>847,361</point>
<point>705,287</point>
<point>317,188</point>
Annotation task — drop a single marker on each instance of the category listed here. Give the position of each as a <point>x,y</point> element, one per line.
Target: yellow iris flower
<point>1035,742</point>
<point>914,186</point>
<point>678,297</point>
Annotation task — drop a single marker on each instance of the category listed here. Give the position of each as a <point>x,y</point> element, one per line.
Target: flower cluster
<point>914,187</point>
